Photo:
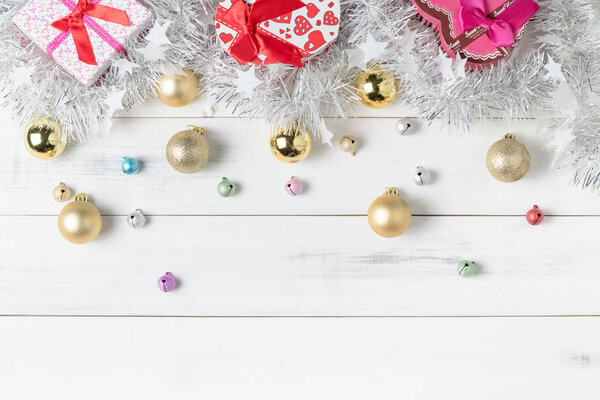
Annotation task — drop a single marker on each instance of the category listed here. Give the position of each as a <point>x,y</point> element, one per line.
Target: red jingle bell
<point>535,216</point>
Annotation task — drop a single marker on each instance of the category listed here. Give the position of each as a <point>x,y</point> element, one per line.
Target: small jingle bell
<point>225,188</point>
<point>61,192</point>
<point>136,219</point>
<point>421,176</point>
<point>349,144</point>
<point>293,187</point>
<point>130,165</point>
<point>404,126</point>
<point>466,269</point>
<point>535,216</point>
<point>167,282</point>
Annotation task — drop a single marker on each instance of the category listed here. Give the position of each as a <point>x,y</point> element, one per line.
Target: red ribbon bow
<point>75,23</point>
<point>252,41</point>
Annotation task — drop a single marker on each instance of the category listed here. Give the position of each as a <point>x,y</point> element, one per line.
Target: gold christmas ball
<point>43,139</point>
<point>61,193</point>
<point>508,159</point>
<point>290,143</point>
<point>177,90</point>
<point>389,215</point>
<point>79,221</point>
<point>376,87</point>
<point>188,151</point>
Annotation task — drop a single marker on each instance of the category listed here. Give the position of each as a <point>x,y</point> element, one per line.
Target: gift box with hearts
<point>277,31</point>
<point>482,31</point>
<point>82,35</point>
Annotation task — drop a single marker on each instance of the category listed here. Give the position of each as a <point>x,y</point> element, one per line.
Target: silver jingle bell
<point>421,176</point>
<point>136,219</point>
<point>404,125</point>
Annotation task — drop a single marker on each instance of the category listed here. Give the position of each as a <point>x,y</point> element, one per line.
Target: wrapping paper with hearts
<point>35,21</point>
<point>482,31</point>
<point>307,30</point>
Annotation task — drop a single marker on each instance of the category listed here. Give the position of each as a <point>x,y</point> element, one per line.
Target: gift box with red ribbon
<point>482,31</point>
<point>277,31</point>
<point>82,35</point>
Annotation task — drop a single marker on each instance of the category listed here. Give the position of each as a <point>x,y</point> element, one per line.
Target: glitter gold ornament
<point>291,143</point>
<point>389,216</point>
<point>508,159</point>
<point>188,151</point>
<point>349,144</point>
<point>43,139</point>
<point>376,88</point>
<point>61,192</point>
<point>79,221</point>
<point>177,90</point>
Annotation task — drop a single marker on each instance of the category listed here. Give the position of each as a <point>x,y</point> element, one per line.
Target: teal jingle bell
<point>226,188</point>
<point>466,269</point>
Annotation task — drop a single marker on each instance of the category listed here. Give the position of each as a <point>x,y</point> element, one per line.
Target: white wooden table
<point>295,298</point>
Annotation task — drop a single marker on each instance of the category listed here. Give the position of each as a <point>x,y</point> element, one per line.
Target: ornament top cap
<point>509,136</point>
<point>197,129</point>
<point>392,191</point>
<point>82,197</point>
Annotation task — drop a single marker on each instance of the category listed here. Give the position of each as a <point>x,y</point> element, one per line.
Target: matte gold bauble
<point>508,159</point>
<point>290,143</point>
<point>43,139</point>
<point>188,151</point>
<point>79,221</point>
<point>177,90</point>
<point>389,215</point>
<point>376,87</point>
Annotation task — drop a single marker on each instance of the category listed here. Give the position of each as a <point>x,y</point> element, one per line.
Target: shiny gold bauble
<point>188,151</point>
<point>290,143</point>
<point>43,139</point>
<point>177,90</point>
<point>389,215</point>
<point>508,159</point>
<point>376,87</point>
<point>79,221</point>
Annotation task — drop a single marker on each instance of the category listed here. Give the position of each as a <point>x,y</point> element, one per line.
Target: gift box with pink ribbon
<point>482,31</point>
<point>277,31</point>
<point>82,36</point>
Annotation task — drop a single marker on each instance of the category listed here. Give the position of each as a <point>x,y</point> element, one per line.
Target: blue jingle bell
<point>130,165</point>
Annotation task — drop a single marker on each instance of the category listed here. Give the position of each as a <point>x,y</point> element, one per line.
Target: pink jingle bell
<point>166,283</point>
<point>293,187</point>
<point>535,216</point>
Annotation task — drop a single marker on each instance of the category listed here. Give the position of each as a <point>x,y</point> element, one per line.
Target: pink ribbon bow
<point>501,29</point>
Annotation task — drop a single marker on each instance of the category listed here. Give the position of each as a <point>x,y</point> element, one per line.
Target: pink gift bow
<point>503,28</point>
<point>90,23</point>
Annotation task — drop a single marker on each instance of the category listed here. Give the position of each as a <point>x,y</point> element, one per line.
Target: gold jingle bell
<point>80,221</point>
<point>177,90</point>
<point>376,87</point>
<point>508,159</point>
<point>389,216</point>
<point>291,143</point>
<point>43,138</point>
<point>188,151</point>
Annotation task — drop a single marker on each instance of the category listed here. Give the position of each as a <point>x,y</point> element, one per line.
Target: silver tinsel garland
<point>85,111</point>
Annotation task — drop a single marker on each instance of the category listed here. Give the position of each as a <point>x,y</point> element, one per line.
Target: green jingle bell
<point>226,188</point>
<point>466,269</point>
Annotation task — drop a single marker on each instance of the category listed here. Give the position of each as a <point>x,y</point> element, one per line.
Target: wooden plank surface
<point>303,266</point>
<point>263,359</point>
<point>336,183</point>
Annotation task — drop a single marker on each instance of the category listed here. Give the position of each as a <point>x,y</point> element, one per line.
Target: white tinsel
<point>84,111</point>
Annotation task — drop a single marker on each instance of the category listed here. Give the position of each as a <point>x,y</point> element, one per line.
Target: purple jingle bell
<point>293,187</point>
<point>166,283</point>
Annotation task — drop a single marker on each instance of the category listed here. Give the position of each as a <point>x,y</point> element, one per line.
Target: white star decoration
<point>365,52</point>
<point>22,75</point>
<point>452,69</point>
<point>114,101</point>
<point>247,81</point>
<point>554,70</point>
<point>123,66</point>
<point>325,133</point>
<point>157,38</point>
